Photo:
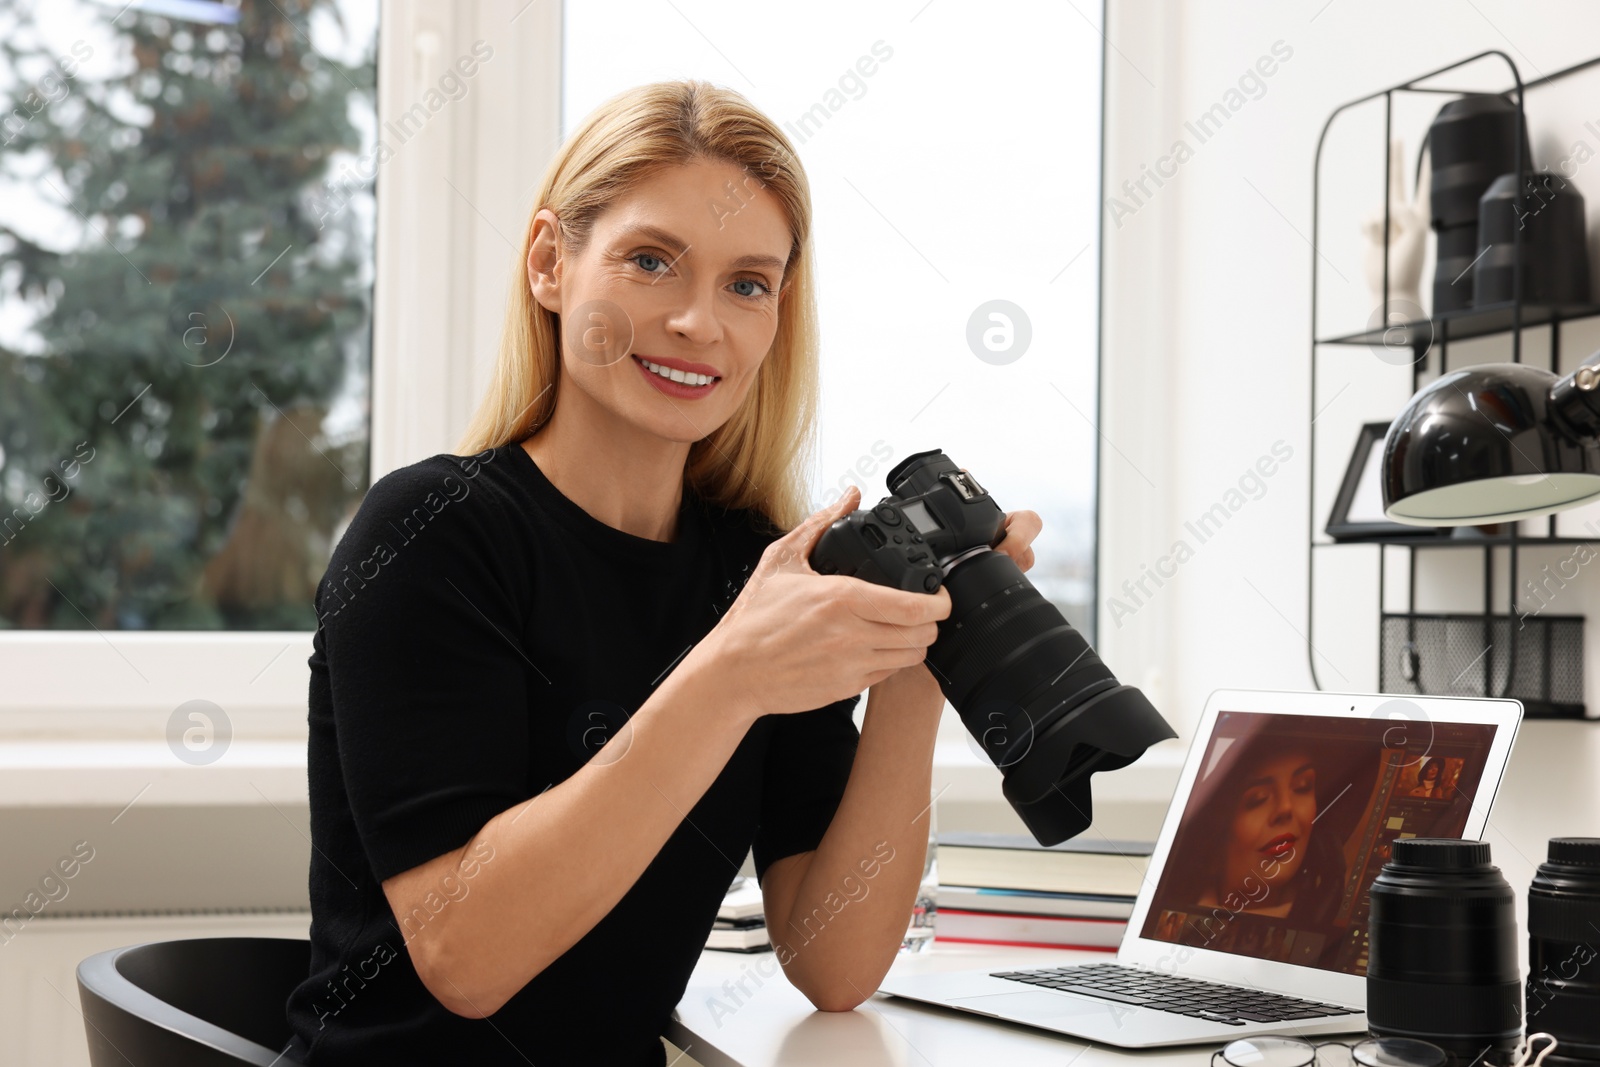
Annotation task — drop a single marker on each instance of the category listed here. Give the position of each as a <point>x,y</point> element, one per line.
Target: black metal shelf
<point>1424,336</point>
<point>1488,321</point>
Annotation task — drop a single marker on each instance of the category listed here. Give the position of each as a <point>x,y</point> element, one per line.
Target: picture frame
<point>1357,513</point>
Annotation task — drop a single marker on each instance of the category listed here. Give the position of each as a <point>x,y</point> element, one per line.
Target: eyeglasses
<point>1272,1051</point>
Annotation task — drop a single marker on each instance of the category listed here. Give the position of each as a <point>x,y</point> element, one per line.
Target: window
<point>186,265</point>
<point>954,162</point>
<point>962,170</point>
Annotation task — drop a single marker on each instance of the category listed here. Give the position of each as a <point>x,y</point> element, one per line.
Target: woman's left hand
<point>1021,528</point>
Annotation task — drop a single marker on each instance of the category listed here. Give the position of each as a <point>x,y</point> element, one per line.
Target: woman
<point>561,687</point>
<point>1252,846</point>
<point>1428,779</point>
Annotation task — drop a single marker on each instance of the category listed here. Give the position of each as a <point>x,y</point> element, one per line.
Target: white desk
<point>771,1023</point>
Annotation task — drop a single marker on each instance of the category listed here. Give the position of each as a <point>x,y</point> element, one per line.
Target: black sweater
<point>479,637</point>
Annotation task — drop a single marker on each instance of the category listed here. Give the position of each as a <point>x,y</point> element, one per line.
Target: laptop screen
<point>1289,821</point>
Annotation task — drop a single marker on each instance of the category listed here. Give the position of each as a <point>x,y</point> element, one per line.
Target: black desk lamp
<point>1492,443</point>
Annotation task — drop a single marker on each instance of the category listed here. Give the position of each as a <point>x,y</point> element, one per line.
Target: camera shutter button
<point>887,515</point>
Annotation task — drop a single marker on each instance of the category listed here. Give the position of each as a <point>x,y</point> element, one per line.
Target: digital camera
<point>1027,685</point>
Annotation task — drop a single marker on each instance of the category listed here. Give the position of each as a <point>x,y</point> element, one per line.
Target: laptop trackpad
<point>1035,1006</point>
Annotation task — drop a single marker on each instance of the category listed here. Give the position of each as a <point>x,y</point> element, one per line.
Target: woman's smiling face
<point>687,268</point>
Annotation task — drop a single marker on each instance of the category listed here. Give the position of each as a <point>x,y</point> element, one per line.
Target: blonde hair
<point>754,460</point>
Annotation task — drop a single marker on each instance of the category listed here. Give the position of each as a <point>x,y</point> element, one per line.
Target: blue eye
<point>646,262</point>
<point>765,289</point>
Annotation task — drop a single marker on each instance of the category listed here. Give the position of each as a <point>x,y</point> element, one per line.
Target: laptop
<point>1252,917</point>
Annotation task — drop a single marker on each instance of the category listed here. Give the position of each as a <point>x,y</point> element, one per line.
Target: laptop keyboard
<point>1213,1001</point>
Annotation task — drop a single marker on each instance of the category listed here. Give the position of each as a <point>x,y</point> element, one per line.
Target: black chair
<point>205,1002</point>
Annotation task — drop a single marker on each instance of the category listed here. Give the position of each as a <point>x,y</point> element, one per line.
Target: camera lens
<point>1563,926</point>
<point>1044,707</point>
<point>1442,958</point>
<point>1027,685</point>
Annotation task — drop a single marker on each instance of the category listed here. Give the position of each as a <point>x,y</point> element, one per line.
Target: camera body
<point>910,539</point>
<point>1027,685</point>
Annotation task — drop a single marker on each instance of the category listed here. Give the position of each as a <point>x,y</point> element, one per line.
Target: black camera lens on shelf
<point>1554,246</point>
<point>1027,685</point>
<point>1472,141</point>
<point>1563,995</point>
<point>1442,958</point>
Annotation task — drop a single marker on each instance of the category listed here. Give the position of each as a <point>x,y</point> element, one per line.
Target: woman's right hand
<point>794,640</point>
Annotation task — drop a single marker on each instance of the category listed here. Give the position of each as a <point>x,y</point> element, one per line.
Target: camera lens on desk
<point>1442,964</point>
<point>1563,931</point>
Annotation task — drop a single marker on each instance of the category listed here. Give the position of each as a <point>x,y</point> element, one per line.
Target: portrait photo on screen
<point>1289,821</point>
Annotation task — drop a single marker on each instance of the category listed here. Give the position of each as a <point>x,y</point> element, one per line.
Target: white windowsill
<point>969,776</point>
<point>115,772</point>
<point>118,773</point>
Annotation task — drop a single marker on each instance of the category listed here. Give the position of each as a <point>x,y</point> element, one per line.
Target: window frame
<point>448,211</point>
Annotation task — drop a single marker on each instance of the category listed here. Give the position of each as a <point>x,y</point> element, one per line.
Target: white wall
<point>1206,350</point>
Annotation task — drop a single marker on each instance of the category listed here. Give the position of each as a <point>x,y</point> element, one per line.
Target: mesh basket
<point>1469,656</point>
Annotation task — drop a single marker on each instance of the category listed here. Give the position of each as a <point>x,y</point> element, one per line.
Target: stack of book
<point>1007,889</point>
<point>741,924</point>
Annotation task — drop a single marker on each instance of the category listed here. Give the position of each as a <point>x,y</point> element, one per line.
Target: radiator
<point>40,1021</point>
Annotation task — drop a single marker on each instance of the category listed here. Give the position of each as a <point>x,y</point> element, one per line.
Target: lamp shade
<point>1492,443</point>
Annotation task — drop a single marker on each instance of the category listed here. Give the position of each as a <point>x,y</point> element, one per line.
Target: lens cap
<point>1441,853</point>
<point>1581,851</point>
